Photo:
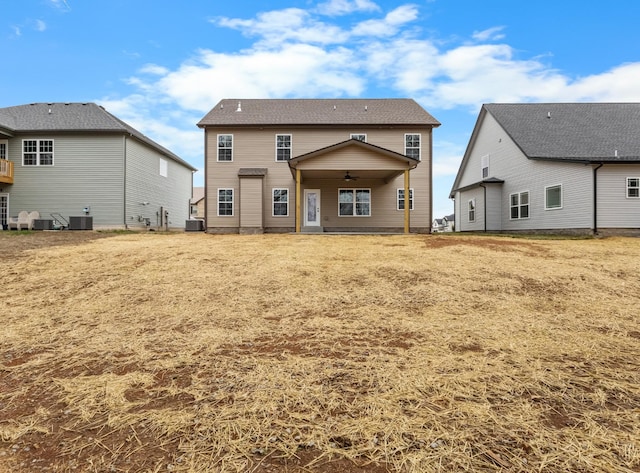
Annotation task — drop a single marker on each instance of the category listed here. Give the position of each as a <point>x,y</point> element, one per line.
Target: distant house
<point>558,167</point>
<point>197,203</point>
<point>78,160</point>
<point>437,226</point>
<point>444,224</point>
<point>309,165</point>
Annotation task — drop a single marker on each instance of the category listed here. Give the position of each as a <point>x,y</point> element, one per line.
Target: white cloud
<point>491,34</point>
<point>389,25</point>
<point>40,25</point>
<point>60,4</point>
<point>345,7</point>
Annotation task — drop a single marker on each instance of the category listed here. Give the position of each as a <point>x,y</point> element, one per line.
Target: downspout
<point>595,198</point>
<point>124,186</point>
<point>484,205</point>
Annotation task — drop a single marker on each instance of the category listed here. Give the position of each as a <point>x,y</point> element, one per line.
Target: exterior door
<point>4,210</point>
<point>312,207</point>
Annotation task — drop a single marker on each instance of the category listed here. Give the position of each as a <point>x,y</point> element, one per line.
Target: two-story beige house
<point>312,165</point>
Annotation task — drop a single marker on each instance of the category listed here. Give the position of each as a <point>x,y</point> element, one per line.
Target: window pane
<point>514,199</point>
<point>524,198</point>
<point>554,197</point>
<point>524,211</point>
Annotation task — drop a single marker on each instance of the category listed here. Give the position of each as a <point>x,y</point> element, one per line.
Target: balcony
<point>6,171</point>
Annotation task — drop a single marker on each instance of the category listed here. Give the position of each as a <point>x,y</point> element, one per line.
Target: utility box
<point>42,224</point>
<point>194,226</point>
<point>81,223</point>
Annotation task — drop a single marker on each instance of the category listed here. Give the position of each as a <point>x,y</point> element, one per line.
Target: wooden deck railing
<point>6,171</point>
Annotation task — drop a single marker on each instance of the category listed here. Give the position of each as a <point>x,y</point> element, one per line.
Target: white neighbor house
<point>551,167</point>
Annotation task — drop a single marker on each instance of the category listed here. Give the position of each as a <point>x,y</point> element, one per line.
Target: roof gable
<point>73,117</point>
<point>572,131</point>
<point>255,112</point>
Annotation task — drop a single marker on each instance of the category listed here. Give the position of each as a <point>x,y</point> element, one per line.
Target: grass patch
<point>318,353</point>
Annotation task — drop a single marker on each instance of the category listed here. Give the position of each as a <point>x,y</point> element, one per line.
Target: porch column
<point>298,200</point>
<point>407,202</point>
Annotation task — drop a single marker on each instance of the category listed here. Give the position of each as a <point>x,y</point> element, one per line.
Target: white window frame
<point>39,152</point>
<point>225,201</point>
<point>274,201</point>
<point>4,149</point>
<point>635,187</point>
<point>358,136</point>
<point>400,198</point>
<point>164,167</point>
<point>484,164</point>
<point>519,205</point>
<point>407,148</point>
<point>220,148</point>
<point>471,210</point>
<point>354,202</point>
<point>546,203</point>
<point>289,148</point>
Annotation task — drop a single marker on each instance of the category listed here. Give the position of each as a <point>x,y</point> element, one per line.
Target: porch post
<point>298,200</point>
<point>407,202</point>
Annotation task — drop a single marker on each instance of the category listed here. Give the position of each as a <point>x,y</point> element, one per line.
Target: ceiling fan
<point>348,177</point>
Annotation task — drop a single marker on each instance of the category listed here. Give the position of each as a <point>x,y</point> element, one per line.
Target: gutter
<point>595,198</point>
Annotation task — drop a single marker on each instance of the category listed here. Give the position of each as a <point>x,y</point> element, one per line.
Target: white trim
<point>484,164</point>
<point>354,190</point>
<point>519,205</point>
<point>546,206</point>
<point>225,202</point>
<point>471,202</point>
<point>218,148</point>
<point>419,148</point>
<point>290,148</point>
<point>411,200</point>
<point>273,202</point>
<point>627,187</point>
<point>6,149</point>
<point>38,152</point>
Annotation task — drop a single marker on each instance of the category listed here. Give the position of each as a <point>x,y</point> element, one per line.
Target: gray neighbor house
<point>78,160</point>
<point>553,168</point>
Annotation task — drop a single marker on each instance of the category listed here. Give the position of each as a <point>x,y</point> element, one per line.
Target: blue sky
<point>162,65</point>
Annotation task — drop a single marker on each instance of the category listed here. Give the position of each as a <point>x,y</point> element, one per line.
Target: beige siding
<point>251,203</point>
<point>256,148</point>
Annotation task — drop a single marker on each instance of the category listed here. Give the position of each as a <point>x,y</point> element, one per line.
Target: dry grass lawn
<point>318,353</point>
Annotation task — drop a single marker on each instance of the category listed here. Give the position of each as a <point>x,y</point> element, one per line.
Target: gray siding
<point>255,147</point>
<point>615,209</point>
<point>88,171</point>
<point>507,162</point>
<point>148,193</point>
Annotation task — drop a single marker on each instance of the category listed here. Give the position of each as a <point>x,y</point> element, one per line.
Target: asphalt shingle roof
<point>251,112</point>
<point>573,131</point>
<point>72,117</point>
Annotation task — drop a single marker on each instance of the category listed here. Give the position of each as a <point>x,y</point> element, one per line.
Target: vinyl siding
<point>145,184</point>
<point>520,174</point>
<point>88,171</point>
<point>255,147</point>
<point>251,203</point>
<point>615,210</point>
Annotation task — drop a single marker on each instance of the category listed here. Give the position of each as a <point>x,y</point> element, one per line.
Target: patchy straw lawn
<point>318,353</point>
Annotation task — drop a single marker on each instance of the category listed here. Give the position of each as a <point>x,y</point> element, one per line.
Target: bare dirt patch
<point>319,353</point>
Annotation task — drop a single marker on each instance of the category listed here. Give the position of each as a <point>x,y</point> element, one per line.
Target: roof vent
<point>615,153</point>
<point>548,114</point>
<point>221,106</point>
<point>239,109</point>
<point>365,108</point>
<point>334,107</point>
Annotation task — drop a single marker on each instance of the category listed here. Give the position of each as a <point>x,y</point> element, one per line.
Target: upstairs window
<point>37,152</point>
<point>553,197</point>
<point>283,147</point>
<point>633,187</point>
<point>359,137</point>
<point>354,202</point>
<point>164,167</point>
<point>3,149</point>
<point>471,210</point>
<point>401,199</point>
<point>485,166</point>
<point>519,205</point>
<point>412,146</point>
<point>225,147</point>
